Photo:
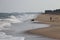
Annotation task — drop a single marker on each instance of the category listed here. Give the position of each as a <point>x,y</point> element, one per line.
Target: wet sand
<point>53,31</point>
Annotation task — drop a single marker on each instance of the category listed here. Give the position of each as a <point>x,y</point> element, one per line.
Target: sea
<point>14,25</point>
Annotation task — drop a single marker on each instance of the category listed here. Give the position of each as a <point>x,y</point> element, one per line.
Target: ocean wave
<point>6,22</point>
<point>3,36</point>
<point>25,17</point>
<point>4,25</point>
<point>12,19</point>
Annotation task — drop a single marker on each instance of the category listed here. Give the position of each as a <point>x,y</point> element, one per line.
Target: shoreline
<point>53,31</point>
<point>50,32</point>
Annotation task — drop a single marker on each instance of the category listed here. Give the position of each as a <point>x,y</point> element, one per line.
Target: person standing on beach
<point>50,18</point>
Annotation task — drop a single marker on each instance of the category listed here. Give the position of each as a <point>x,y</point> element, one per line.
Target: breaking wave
<point>5,23</point>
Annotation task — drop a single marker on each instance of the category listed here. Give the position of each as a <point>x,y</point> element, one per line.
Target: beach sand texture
<point>45,18</point>
<point>53,31</point>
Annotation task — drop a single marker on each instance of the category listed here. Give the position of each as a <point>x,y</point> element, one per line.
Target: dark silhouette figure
<point>50,18</point>
<point>32,20</point>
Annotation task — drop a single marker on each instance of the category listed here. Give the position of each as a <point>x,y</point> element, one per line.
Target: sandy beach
<point>45,18</point>
<point>53,31</point>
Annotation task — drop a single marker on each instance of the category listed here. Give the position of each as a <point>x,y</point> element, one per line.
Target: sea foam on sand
<point>3,36</point>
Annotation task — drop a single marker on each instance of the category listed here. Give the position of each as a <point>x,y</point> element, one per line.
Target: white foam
<point>3,36</point>
<point>6,23</point>
<point>12,19</point>
<point>25,17</point>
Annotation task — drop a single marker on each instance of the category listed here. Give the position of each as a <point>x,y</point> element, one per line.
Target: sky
<point>28,5</point>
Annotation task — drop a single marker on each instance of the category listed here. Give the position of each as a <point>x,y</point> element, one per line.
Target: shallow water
<point>14,28</point>
<point>18,29</point>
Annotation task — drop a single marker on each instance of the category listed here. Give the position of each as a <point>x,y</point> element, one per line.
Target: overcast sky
<point>28,5</point>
